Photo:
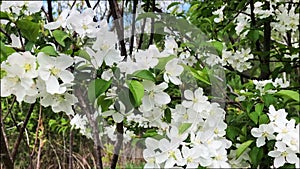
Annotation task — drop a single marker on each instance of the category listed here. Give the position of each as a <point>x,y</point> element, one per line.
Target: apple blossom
<point>173,70</point>
<point>51,69</point>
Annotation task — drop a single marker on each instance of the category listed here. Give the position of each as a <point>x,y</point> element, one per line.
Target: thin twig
<point>143,26</point>
<point>152,25</point>
<point>97,3</point>
<point>133,26</point>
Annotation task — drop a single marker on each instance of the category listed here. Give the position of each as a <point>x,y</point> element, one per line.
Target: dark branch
<point>19,139</point>
<point>152,25</point>
<point>117,15</point>
<point>118,145</point>
<point>133,26</point>
<point>4,148</point>
<point>49,3</point>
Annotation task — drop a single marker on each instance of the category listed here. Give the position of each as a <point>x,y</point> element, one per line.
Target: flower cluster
<point>286,134</point>
<point>238,59</point>
<point>49,80</point>
<point>278,82</point>
<point>201,121</point>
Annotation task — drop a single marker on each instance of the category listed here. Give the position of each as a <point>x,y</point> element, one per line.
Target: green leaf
<point>232,132</point>
<point>60,36</point>
<point>218,46</point>
<point>269,86</point>
<point>173,4</point>
<point>254,117</point>
<point>290,94</point>
<point>137,90</point>
<point>104,103</point>
<point>168,115</point>
<point>183,127</point>
<point>163,61</point>
<point>242,148</point>
<point>29,29</point>
<point>268,99</point>
<point>125,98</point>
<point>201,75</point>
<point>29,46</point>
<point>144,74</point>
<point>263,119</point>
<point>83,54</point>
<point>256,154</point>
<point>4,15</point>
<point>96,88</point>
<point>5,51</point>
<point>259,108</point>
<point>49,50</point>
<point>253,35</point>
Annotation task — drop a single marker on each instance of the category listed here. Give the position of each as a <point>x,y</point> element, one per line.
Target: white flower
<point>170,47</point>
<point>107,74</point>
<point>279,115</point>
<point>83,23</point>
<point>169,152</point>
<point>147,59</point>
<point>60,21</point>
<point>109,56</point>
<point>154,95</point>
<point>80,122</point>
<point>264,131</point>
<point>195,100</point>
<point>16,42</point>
<point>105,39</point>
<point>284,128</point>
<point>26,62</point>
<point>191,156</point>
<point>173,70</point>
<point>283,155</point>
<point>219,12</point>
<point>20,69</point>
<point>34,6</point>
<point>149,154</point>
<point>60,102</point>
<point>219,159</point>
<point>187,58</point>
<point>211,59</point>
<point>52,68</point>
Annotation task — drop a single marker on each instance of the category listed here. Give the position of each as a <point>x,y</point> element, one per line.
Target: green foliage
<point>49,50</point>
<point>144,74</point>
<point>242,148</point>
<point>96,88</point>
<point>137,91</point>
<point>60,36</point>
<point>30,30</point>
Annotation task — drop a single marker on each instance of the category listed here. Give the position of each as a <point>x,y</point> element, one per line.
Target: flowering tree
<point>213,85</point>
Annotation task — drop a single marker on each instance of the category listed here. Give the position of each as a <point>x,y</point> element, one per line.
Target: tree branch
<point>152,25</point>
<point>117,15</point>
<point>143,26</point>
<point>118,145</point>
<point>49,3</point>
<point>265,67</point>
<point>86,108</point>
<point>4,148</point>
<point>133,26</point>
<point>19,139</point>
